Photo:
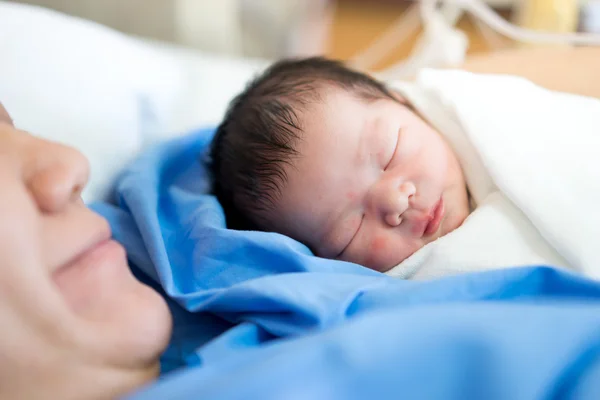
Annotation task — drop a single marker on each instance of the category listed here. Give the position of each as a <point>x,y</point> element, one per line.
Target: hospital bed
<point>257,316</point>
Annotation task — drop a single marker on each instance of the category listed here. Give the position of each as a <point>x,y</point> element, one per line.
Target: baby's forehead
<point>341,106</point>
<point>334,106</point>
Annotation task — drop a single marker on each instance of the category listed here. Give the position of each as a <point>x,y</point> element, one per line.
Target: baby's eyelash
<point>362,218</point>
<point>394,152</point>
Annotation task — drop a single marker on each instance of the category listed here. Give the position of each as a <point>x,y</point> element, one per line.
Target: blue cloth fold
<point>258,316</point>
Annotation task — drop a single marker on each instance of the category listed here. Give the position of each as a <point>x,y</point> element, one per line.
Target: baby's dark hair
<point>261,128</point>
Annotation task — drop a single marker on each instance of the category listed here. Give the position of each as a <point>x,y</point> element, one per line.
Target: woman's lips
<point>436,218</point>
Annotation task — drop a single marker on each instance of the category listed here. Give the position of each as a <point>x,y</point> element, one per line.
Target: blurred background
<point>281,28</point>
<point>75,82</point>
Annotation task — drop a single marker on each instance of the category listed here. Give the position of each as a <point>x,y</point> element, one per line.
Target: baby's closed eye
<point>352,238</point>
<point>394,151</point>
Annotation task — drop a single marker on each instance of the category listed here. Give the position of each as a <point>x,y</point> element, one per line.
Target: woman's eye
<point>393,153</point>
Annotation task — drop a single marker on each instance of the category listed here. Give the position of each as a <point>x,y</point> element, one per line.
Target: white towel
<point>531,159</point>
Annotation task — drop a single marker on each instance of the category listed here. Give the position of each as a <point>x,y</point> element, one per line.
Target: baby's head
<point>332,158</point>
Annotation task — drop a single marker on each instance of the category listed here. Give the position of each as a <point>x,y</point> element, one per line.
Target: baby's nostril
<point>393,219</point>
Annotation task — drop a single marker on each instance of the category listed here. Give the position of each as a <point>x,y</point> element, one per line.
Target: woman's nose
<point>395,200</point>
<point>59,175</point>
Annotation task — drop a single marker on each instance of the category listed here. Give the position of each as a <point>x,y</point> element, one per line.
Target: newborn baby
<point>334,159</point>
<point>377,176</point>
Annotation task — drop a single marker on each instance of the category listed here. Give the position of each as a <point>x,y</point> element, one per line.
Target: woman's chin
<point>138,329</point>
<point>154,326</point>
<point>121,320</point>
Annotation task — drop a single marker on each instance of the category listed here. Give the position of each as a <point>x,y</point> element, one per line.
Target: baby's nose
<point>399,202</point>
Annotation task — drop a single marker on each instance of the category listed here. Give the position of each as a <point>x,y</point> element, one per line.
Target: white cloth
<point>79,83</point>
<point>531,159</point>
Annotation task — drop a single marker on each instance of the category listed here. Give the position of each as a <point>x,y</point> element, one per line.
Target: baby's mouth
<point>429,223</point>
<point>437,214</point>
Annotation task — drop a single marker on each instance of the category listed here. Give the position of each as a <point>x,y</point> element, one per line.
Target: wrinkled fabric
<point>530,159</point>
<point>258,316</point>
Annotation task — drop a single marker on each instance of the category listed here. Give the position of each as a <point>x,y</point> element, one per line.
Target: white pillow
<point>211,81</point>
<point>82,84</point>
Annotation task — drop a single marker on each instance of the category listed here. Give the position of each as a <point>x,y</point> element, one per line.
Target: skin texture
<point>368,181</point>
<point>75,323</point>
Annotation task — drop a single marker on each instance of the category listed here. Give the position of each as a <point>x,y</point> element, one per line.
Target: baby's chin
<point>384,269</point>
<point>453,221</point>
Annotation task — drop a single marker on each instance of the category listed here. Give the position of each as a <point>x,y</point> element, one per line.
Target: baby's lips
<point>436,218</point>
<point>419,223</point>
<point>422,223</point>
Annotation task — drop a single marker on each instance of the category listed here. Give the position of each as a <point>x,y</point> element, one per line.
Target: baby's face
<point>373,183</point>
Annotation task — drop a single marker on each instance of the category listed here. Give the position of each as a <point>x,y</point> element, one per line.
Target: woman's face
<point>75,322</point>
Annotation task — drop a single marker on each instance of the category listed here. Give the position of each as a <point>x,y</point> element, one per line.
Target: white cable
<point>491,37</point>
<point>441,44</point>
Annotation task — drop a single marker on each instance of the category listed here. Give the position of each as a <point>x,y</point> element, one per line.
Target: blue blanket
<point>258,316</point>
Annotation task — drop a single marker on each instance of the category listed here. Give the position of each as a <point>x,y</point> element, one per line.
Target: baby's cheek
<point>379,243</point>
<point>376,251</point>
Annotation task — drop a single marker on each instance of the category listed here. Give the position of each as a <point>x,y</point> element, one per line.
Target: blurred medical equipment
<point>252,28</point>
<point>442,44</point>
<point>591,16</point>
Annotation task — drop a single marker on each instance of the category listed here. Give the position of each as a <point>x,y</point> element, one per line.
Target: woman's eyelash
<point>394,152</point>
